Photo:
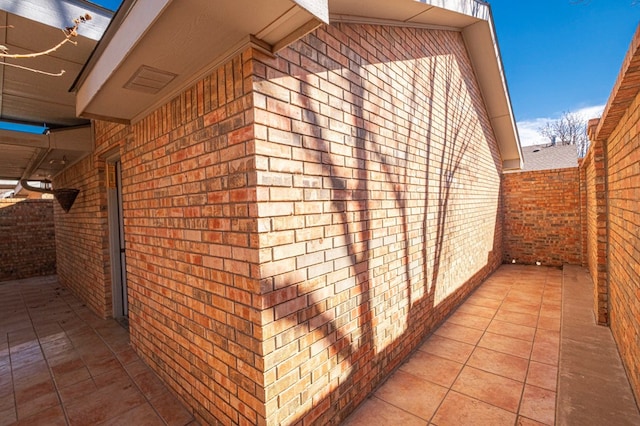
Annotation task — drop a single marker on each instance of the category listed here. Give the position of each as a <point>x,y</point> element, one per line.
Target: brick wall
<point>378,190</point>
<point>192,248</point>
<point>295,226</point>
<point>623,177</point>
<point>595,215</point>
<point>614,186</point>
<point>542,219</point>
<point>27,238</point>
<point>82,235</point>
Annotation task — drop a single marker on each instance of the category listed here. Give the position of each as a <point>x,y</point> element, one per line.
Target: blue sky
<point>561,55</point>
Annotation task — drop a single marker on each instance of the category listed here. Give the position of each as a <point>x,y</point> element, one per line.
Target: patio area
<point>62,365</point>
<point>522,349</point>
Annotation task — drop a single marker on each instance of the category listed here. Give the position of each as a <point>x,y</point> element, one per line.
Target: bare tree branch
<point>69,33</point>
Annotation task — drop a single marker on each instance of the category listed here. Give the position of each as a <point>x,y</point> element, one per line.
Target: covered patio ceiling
<point>39,99</point>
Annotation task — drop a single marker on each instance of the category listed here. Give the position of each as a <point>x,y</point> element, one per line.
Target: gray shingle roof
<point>545,157</point>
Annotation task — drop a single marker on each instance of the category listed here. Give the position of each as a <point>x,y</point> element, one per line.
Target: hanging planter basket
<point>66,197</point>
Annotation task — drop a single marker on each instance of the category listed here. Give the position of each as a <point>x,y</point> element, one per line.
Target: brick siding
<point>614,185</point>
<point>192,247</point>
<point>596,233</point>
<point>27,238</point>
<point>296,225</point>
<point>82,235</point>
<point>623,177</point>
<point>542,221</point>
<point>378,195</point>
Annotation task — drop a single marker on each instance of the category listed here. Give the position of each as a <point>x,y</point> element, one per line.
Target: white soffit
<point>185,39</point>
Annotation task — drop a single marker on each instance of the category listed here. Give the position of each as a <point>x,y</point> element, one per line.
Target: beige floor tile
<point>142,415</point>
<point>458,409</point>
<point>69,378</point>
<point>447,348</point>
<point>8,416</point>
<point>546,347</point>
<point>146,380</point>
<point>481,311</point>
<point>76,390</point>
<point>529,320</point>
<point>549,323</point>
<point>543,375</point>
<point>31,406</point>
<point>171,410</point>
<point>512,330</point>
<point>52,416</point>
<point>459,333</point>
<point>506,344</point>
<point>429,367</point>
<point>490,388</point>
<point>477,300</point>
<point>539,404</point>
<point>505,365</point>
<point>416,396</point>
<point>375,412</point>
<point>520,307</point>
<point>523,421</point>
<point>103,404</point>
<point>468,320</point>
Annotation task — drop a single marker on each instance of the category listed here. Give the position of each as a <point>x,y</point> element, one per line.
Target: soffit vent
<point>149,80</point>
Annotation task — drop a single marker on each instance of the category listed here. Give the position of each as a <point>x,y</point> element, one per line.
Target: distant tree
<point>569,129</point>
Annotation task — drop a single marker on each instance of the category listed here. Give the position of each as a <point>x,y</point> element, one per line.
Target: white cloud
<point>529,129</point>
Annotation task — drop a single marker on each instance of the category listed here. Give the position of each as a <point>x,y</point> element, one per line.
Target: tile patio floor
<point>506,356</point>
<point>62,365</point>
<point>508,353</point>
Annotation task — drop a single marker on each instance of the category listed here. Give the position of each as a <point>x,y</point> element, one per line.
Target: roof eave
<point>177,43</point>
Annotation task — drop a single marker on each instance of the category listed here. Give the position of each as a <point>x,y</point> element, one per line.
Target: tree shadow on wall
<point>360,357</point>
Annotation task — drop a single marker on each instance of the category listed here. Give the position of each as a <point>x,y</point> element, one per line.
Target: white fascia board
<point>475,8</point>
<point>484,52</point>
<point>318,8</point>
<point>139,19</point>
<point>60,14</point>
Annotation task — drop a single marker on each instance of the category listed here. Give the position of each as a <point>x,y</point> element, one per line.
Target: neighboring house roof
<point>155,49</point>
<point>546,157</point>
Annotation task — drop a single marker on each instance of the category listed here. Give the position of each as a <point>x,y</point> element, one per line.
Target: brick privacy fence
<point>295,226</point>
<point>593,172</point>
<point>615,219</point>
<point>27,238</point>
<point>542,220</point>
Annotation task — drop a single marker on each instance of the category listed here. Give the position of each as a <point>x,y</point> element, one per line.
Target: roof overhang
<point>155,49</point>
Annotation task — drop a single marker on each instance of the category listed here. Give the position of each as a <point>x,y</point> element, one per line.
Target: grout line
<point>55,385</point>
